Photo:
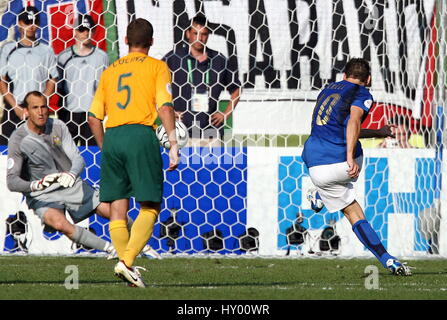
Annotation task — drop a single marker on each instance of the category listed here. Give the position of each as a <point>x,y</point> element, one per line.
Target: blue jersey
<point>327,141</point>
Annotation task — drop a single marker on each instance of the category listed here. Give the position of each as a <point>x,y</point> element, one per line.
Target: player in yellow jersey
<point>132,92</point>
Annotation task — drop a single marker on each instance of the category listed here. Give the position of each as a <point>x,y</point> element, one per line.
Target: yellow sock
<point>119,235</point>
<point>140,233</point>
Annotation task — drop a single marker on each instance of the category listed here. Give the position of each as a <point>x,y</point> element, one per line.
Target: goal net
<point>247,193</point>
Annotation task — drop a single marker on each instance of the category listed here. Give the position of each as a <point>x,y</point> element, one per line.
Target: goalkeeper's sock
<point>370,240</point>
<point>140,234</point>
<point>119,235</point>
<point>129,223</point>
<point>88,239</point>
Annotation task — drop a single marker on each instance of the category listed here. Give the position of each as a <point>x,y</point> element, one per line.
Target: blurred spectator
<point>80,67</point>
<point>200,74</point>
<point>401,131</point>
<point>26,65</point>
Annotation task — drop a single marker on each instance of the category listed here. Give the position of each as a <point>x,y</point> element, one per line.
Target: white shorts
<point>334,184</point>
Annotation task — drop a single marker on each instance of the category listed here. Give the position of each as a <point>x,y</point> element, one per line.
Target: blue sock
<point>370,240</point>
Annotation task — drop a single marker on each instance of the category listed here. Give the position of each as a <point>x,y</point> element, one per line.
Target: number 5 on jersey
<point>122,87</point>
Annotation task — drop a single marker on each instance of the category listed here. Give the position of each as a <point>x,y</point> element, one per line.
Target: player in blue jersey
<point>333,153</point>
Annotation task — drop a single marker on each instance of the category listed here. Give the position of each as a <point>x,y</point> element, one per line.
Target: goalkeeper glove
<point>67,179</point>
<point>45,182</point>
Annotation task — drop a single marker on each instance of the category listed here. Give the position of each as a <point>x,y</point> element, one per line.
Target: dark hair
<point>32,93</point>
<point>84,22</point>
<point>29,15</point>
<point>358,68</point>
<point>199,19</point>
<point>139,33</point>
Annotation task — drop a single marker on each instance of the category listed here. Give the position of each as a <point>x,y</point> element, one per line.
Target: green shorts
<point>131,164</point>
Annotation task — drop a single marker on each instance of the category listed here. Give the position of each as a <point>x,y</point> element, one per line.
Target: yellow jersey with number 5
<point>131,89</point>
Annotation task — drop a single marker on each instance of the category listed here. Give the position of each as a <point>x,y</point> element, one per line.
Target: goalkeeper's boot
<point>149,252</point>
<point>112,254</point>
<point>316,204</point>
<point>130,275</point>
<point>111,251</point>
<point>397,268</point>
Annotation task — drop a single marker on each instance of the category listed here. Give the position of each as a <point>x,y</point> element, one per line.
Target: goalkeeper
<point>44,164</point>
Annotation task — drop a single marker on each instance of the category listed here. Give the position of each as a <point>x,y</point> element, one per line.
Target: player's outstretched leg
<point>88,239</point>
<point>119,234</point>
<point>370,240</point>
<point>56,219</point>
<point>141,232</point>
<point>147,252</point>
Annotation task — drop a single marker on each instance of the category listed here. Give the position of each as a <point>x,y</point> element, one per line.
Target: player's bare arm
<point>384,132</point>
<point>352,136</point>
<point>50,87</point>
<point>219,117</point>
<point>9,97</point>
<point>97,129</point>
<point>167,117</point>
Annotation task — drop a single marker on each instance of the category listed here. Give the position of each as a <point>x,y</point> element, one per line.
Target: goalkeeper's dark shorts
<point>81,200</point>
<point>131,164</point>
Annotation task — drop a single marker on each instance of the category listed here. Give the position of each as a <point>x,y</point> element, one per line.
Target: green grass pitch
<point>33,277</point>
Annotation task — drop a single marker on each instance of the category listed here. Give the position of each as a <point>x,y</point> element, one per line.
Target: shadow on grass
<point>428,273</point>
<point>92,282</point>
<point>413,274</point>
<point>231,284</point>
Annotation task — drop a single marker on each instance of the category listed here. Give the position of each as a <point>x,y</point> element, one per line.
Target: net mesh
<point>247,193</point>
